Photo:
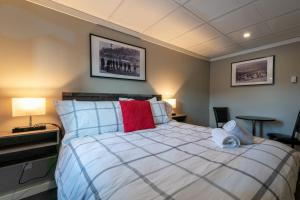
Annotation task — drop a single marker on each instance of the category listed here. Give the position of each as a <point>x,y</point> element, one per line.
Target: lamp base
<point>28,128</point>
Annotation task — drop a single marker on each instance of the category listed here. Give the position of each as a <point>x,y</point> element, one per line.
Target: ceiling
<point>209,28</point>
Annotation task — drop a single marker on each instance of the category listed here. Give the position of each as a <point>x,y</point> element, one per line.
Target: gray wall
<point>281,100</point>
<point>44,52</point>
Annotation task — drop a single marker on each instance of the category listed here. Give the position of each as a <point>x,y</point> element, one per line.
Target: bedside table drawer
<point>15,157</point>
<point>13,174</point>
<point>28,146</point>
<point>27,139</point>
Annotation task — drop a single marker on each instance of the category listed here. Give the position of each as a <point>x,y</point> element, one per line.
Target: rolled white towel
<point>232,128</point>
<point>224,139</point>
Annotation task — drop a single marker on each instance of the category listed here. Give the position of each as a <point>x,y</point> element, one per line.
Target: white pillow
<point>159,113</point>
<point>169,109</point>
<point>81,118</point>
<point>152,100</point>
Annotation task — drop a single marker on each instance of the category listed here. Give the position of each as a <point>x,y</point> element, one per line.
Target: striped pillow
<point>159,113</point>
<point>160,110</point>
<point>81,118</point>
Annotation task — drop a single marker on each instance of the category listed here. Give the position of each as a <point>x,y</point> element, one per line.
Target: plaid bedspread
<point>174,161</point>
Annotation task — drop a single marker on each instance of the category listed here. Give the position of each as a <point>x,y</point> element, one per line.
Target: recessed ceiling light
<point>246,35</point>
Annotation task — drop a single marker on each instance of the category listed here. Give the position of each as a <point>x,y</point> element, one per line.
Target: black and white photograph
<point>113,59</point>
<point>253,72</point>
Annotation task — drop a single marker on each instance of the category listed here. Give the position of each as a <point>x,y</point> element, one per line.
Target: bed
<point>173,161</point>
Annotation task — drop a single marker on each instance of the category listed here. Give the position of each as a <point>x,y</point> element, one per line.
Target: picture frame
<point>258,71</point>
<point>113,59</point>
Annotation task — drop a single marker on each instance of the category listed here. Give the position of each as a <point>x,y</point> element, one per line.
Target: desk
<point>255,119</point>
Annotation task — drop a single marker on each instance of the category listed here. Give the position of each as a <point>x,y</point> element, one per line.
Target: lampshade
<point>28,106</point>
<point>172,102</point>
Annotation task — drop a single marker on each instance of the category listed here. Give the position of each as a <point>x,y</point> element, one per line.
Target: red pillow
<point>137,115</point>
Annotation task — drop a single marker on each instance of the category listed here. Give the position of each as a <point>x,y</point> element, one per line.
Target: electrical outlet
<point>28,166</point>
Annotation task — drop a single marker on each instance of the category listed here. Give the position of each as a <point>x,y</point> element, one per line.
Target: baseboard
<point>29,191</point>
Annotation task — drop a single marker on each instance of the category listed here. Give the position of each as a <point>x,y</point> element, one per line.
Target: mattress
<point>173,161</point>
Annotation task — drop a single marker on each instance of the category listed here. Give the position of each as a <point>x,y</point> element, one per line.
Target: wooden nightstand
<point>179,117</point>
<point>28,146</point>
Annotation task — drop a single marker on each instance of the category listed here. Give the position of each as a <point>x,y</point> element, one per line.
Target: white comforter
<point>173,161</point>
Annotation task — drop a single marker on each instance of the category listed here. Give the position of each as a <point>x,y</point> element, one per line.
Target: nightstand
<point>28,146</point>
<point>179,117</point>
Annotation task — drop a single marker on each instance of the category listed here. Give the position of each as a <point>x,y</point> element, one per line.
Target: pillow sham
<point>169,109</point>
<point>137,115</point>
<point>161,113</point>
<point>81,118</point>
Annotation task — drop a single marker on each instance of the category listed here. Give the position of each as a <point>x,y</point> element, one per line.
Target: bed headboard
<point>81,96</point>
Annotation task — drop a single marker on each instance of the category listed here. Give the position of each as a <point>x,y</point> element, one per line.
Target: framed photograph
<point>257,71</point>
<point>113,59</point>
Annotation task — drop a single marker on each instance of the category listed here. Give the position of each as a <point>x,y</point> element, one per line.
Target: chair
<point>221,115</point>
<point>287,139</point>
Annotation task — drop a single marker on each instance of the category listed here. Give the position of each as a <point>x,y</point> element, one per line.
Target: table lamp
<point>28,107</point>
<point>172,102</point>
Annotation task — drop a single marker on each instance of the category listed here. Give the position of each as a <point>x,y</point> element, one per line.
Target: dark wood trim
<point>93,76</point>
<point>273,82</point>
<point>82,96</point>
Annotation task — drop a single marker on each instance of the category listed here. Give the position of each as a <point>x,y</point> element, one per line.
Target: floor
<point>51,195</point>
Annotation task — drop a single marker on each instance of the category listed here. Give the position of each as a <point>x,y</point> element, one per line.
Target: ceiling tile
<point>238,19</point>
<point>220,43</point>
<point>269,21</point>
<point>285,21</point>
<point>196,36</point>
<point>246,1</point>
<point>228,50</point>
<point>215,47</point>
<point>140,14</point>
<point>204,51</point>
<point>289,33</point>
<point>259,41</point>
<point>97,8</point>
<point>273,38</point>
<point>256,31</point>
<point>210,9</point>
<point>273,8</point>
<point>175,24</point>
<point>215,52</point>
<point>181,1</point>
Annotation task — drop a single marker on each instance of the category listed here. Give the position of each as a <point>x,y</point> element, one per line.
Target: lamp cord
<point>34,178</point>
<point>52,165</point>
<point>57,126</point>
